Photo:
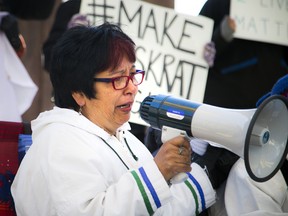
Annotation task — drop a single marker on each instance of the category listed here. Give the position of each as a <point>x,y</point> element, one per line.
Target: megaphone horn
<point>259,136</point>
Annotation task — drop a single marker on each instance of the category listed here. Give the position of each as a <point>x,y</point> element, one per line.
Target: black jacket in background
<point>28,9</point>
<point>64,13</point>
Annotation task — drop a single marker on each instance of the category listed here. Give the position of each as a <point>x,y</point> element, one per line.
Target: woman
<point>84,160</point>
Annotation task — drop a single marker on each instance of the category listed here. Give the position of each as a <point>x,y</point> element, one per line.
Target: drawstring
<point>133,155</point>
<point>115,153</point>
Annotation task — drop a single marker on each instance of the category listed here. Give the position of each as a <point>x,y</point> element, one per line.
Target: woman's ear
<point>80,98</point>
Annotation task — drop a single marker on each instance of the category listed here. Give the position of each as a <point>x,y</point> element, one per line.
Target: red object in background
<point>9,163</point>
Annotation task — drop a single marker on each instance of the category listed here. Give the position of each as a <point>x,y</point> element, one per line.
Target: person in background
<point>253,198</point>
<point>17,88</point>
<point>243,70</point>
<point>63,21</point>
<point>83,159</point>
<point>9,25</point>
<point>12,10</point>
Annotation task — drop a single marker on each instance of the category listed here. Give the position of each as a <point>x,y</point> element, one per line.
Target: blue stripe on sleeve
<point>198,186</point>
<point>150,187</point>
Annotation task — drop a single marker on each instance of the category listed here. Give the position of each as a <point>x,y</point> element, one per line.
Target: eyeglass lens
<point>123,81</point>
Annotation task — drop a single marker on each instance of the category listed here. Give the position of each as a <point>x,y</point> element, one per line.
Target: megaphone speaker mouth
<point>266,140</point>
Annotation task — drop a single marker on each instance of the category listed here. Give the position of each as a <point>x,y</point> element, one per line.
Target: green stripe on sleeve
<point>194,195</point>
<point>143,192</point>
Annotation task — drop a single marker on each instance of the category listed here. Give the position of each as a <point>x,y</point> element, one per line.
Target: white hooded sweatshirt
<point>246,197</point>
<point>75,168</point>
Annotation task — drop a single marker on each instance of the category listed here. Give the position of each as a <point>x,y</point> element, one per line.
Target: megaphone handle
<point>168,133</point>
<point>179,178</point>
<point>199,147</point>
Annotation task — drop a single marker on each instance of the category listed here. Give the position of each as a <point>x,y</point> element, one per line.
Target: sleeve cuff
<point>203,186</point>
<point>156,187</point>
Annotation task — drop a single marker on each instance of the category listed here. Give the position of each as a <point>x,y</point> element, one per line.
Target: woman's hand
<point>174,157</point>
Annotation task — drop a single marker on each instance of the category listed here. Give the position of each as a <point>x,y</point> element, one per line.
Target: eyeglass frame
<point>130,77</point>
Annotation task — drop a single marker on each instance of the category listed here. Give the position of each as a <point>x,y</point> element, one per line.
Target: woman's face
<point>111,108</point>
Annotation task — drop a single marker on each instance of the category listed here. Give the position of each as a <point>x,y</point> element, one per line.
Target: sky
<point>189,7</point>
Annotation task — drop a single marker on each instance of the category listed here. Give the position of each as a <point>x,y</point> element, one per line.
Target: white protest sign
<point>261,20</point>
<point>169,46</point>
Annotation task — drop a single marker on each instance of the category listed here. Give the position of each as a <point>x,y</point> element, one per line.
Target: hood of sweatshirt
<point>73,118</point>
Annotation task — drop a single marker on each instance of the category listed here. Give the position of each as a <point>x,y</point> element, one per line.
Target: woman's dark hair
<point>83,52</point>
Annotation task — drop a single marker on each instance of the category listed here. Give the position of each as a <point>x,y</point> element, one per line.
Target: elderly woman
<point>84,160</point>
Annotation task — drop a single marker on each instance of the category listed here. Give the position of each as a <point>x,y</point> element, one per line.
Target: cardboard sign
<point>261,20</point>
<point>169,46</point>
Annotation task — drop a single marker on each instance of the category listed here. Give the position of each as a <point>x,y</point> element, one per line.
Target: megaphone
<point>259,135</point>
